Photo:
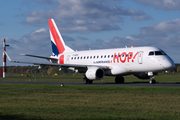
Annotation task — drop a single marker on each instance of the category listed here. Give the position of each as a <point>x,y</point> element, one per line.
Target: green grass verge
<point>51,102</point>
<point>162,78</point>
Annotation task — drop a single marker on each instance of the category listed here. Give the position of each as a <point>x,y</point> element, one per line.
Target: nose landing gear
<point>152,80</point>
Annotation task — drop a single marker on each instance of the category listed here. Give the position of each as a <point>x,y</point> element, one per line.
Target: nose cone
<point>168,63</point>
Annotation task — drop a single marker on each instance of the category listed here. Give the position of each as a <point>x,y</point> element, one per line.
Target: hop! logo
<point>123,57</point>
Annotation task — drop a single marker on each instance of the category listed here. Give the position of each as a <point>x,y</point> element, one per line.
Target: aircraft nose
<point>168,63</point>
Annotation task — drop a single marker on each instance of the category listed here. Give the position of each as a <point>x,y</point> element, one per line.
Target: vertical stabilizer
<point>58,45</point>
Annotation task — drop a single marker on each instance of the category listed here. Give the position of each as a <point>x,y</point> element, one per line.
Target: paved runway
<point>133,84</point>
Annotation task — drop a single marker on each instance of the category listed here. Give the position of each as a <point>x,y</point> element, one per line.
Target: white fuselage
<point>122,60</point>
<point>139,61</point>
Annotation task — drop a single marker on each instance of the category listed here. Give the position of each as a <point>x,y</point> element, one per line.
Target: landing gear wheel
<point>90,81</point>
<point>119,79</point>
<point>152,81</point>
<point>87,81</point>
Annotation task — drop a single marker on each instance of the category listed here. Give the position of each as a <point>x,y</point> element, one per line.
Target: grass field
<point>51,102</point>
<point>39,102</point>
<point>162,78</point>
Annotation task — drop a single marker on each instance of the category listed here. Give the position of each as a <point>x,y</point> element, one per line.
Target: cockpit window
<point>151,53</point>
<point>160,53</point>
<point>157,53</point>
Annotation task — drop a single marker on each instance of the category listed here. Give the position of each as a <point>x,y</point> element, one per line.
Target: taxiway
<point>128,84</point>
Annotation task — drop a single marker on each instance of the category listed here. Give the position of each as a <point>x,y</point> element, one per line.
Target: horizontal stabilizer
<point>48,58</point>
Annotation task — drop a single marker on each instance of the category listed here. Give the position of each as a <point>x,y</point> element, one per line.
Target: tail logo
<point>56,39</point>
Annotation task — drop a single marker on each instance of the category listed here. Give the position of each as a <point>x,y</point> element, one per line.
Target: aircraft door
<point>67,59</point>
<point>140,57</point>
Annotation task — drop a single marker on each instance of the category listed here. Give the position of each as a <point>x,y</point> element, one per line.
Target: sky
<point>89,24</point>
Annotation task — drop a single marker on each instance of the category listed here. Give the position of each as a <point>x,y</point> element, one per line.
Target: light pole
<point>4,58</point>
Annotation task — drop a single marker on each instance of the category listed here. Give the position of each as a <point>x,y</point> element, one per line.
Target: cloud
<point>162,29</point>
<point>45,2</point>
<point>169,44</point>
<point>37,43</point>
<point>165,35</point>
<point>85,15</point>
<point>67,38</point>
<point>116,42</point>
<point>140,17</point>
<point>40,30</point>
<point>162,4</point>
<point>80,46</point>
<point>82,38</point>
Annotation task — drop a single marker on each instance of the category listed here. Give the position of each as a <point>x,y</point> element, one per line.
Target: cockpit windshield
<point>160,53</point>
<point>151,53</point>
<point>156,53</point>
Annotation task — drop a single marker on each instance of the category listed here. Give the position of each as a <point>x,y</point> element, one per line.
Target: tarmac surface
<point>128,84</point>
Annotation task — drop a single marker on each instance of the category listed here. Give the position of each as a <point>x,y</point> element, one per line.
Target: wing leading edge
<point>54,64</point>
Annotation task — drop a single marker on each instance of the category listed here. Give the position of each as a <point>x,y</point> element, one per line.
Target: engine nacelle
<point>94,73</point>
<point>141,75</point>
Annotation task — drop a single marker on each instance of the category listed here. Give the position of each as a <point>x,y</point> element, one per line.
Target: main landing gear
<point>119,79</point>
<point>87,81</point>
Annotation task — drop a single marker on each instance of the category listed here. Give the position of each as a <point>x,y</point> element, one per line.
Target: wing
<point>55,64</point>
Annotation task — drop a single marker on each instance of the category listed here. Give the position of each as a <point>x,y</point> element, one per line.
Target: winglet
<point>10,58</point>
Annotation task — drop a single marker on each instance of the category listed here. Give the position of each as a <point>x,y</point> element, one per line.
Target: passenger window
<point>87,57</point>
<point>101,56</point>
<point>111,56</point>
<point>105,56</point>
<point>84,57</point>
<point>78,58</point>
<point>108,56</point>
<point>81,57</point>
<point>97,56</point>
<point>151,53</point>
<point>72,58</point>
<point>94,57</point>
<point>119,55</point>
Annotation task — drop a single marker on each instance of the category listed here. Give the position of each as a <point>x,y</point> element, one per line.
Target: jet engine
<point>94,73</point>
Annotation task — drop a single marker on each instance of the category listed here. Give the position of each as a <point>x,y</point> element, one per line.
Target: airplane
<point>142,62</point>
